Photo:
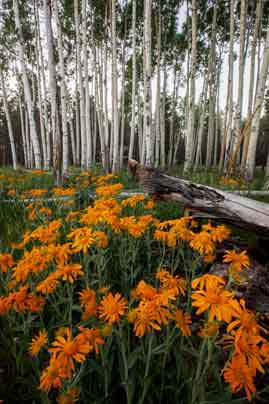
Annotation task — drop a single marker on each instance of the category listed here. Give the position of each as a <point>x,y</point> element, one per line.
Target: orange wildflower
<point>52,376</point>
<point>68,350</point>
<point>38,342</point>
<point>48,285</point>
<point>208,281</point>
<point>70,272</point>
<point>88,302</point>
<point>6,262</point>
<point>112,307</point>
<point>210,330</point>
<point>91,336</point>
<point>203,243</point>
<point>240,376</point>
<point>220,233</point>
<point>245,321</point>
<point>133,200</point>
<point>144,291</point>
<point>175,283</point>
<point>107,191</point>
<point>182,322</point>
<point>70,397</point>
<point>218,301</point>
<point>237,261</point>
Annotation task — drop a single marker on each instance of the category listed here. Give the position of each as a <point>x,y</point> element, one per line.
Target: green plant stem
<point>149,354</point>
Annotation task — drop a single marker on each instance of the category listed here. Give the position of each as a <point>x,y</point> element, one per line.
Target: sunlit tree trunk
<point>250,164</point>
<point>198,156</point>
<point>80,88</point>
<point>9,124</point>
<point>26,85</point>
<point>147,121</point>
<point>65,161</point>
<point>115,165</point>
<point>191,108</point>
<point>132,136</point>
<point>238,115</point>
<point>212,95</point>
<point>162,115</point>
<point>251,80</point>
<point>158,95</point>
<point>53,94</point>
<point>86,85</point>
<point>123,96</point>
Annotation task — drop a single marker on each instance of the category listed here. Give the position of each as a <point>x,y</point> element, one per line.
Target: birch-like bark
<point>212,95</point>
<point>39,93</point>
<point>147,123</point>
<point>47,124</point>
<point>191,108</point>
<point>228,116</point>
<point>53,94</point>
<point>132,136</point>
<point>105,94</point>
<point>63,90</point>
<point>26,85</point>
<point>81,90</point>
<point>86,85</point>
<point>250,164</point>
<point>9,124</point>
<point>123,96</point>
<point>115,164</point>
<point>198,157</point>
<point>251,80</point>
<point>172,118</point>
<point>158,95</point>
<point>162,115</point>
<point>24,144</point>
<point>238,116</point>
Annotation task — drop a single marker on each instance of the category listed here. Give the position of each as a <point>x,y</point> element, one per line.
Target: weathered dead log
<point>204,201</point>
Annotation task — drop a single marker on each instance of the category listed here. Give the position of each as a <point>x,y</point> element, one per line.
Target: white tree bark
<point>132,137</point>
<point>115,165</point>
<point>250,164</point>
<point>191,108</point>
<point>158,95</point>
<point>163,109</point>
<point>27,91</point>
<point>238,116</point>
<point>53,94</point>
<point>86,84</point>
<point>147,124</point>
<point>198,157</point>
<point>251,79</point>
<point>81,91</point>
<point>212,95</point>
<point>9,124</point>
<point>39,93</point>
<point>65,161</point>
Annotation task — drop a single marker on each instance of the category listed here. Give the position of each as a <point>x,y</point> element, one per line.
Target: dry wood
<point>205,201</point>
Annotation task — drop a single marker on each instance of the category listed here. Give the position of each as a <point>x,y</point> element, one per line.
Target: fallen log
<point>204,201</point>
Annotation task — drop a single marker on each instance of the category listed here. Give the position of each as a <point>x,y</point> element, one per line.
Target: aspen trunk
<point>9,124</point>
<point>147,121</point>
<point>250,164</point>
<point>251,80</point>
<point>198,157</point>
<point>26,85</point>
<point>212,95</point>
<point>65,159</point>
<point>115,165</point>
<point>191,105</point>
<point>158,95</point>
<point>88,134</point>
<point>80,88</point>
<point>132,136</point>
<point>163,109</point>
<point>238,116</point>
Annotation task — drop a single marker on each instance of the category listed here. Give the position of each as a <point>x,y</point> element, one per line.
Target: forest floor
<point>135,288</point>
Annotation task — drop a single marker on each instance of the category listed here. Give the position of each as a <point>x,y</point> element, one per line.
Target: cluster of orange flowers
<point>245,336</point>
<point>204,242</point>
<point>46,264</point>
